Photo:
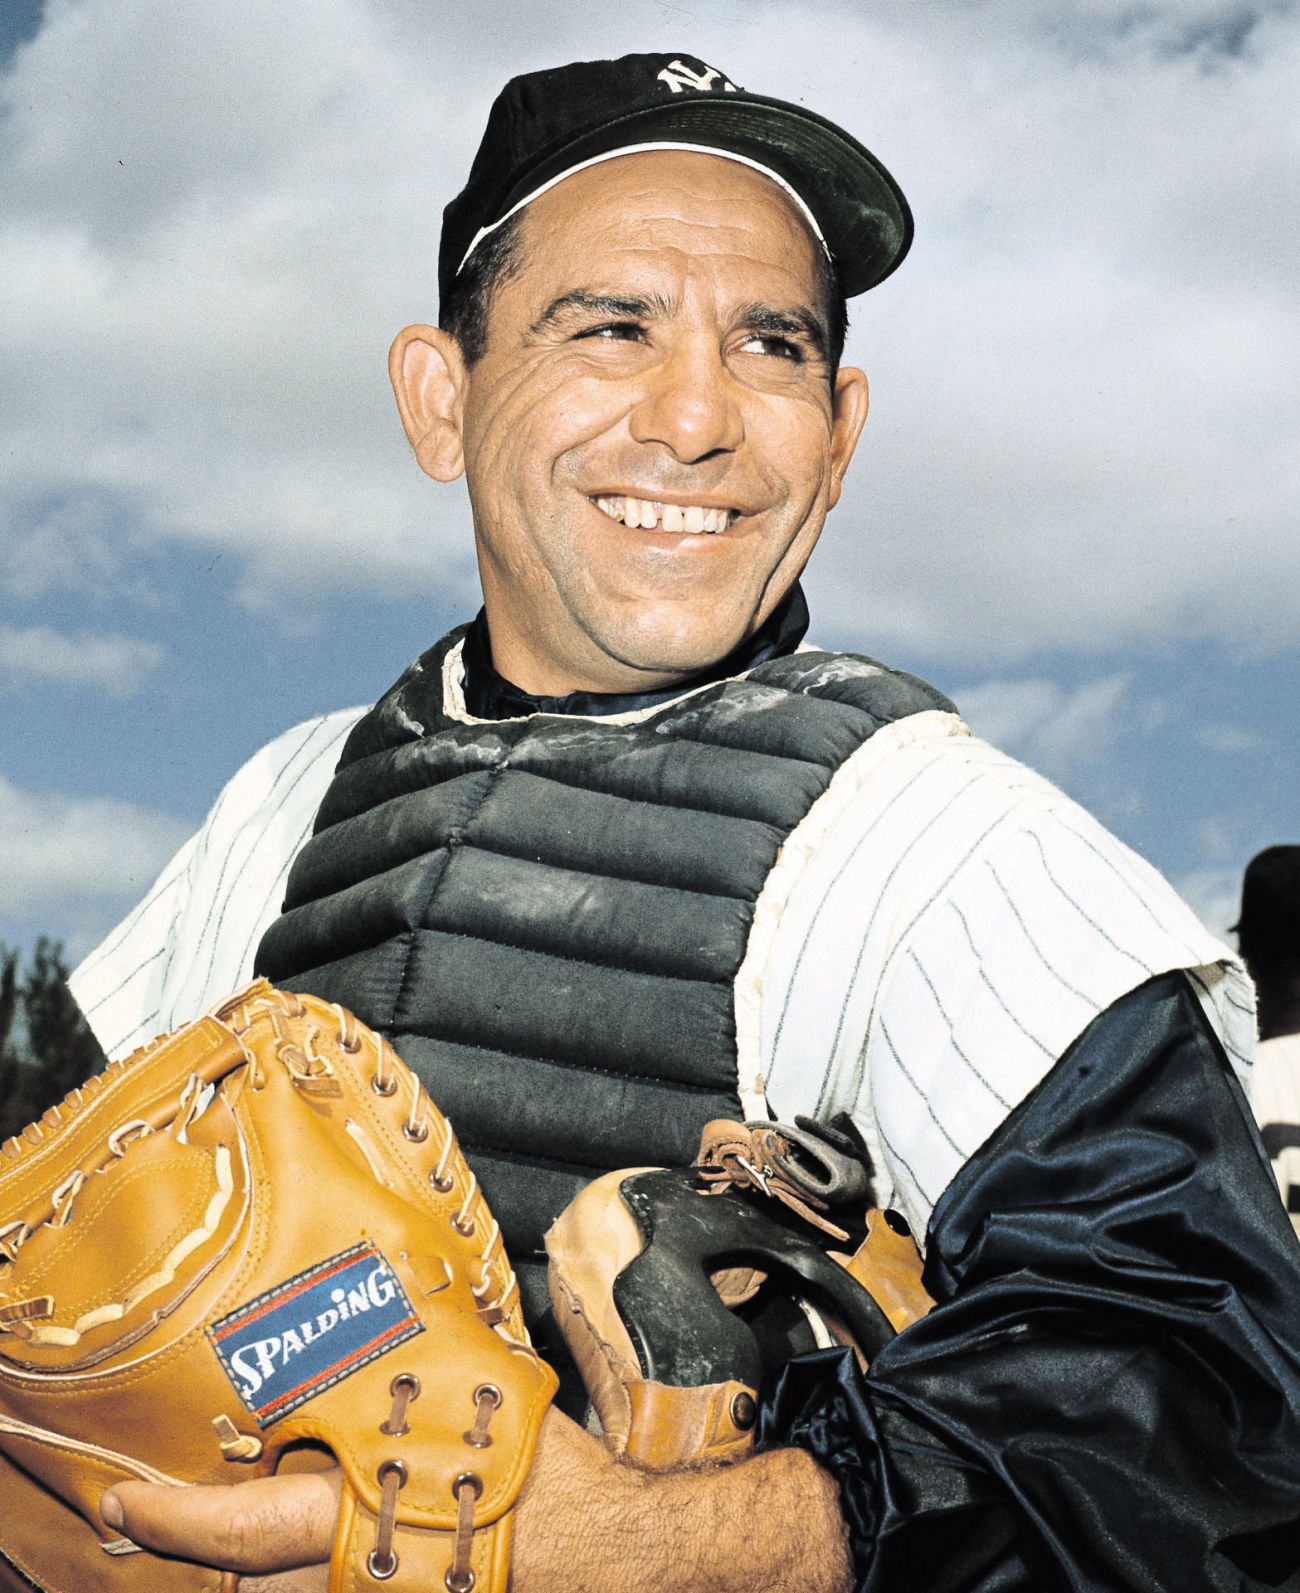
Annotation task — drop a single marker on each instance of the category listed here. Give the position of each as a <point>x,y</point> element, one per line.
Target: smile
<point>688,517</point>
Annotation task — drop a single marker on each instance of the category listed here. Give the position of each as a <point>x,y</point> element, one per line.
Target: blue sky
<point>1074,508</point>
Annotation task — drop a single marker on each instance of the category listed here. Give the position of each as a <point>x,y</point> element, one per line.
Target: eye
<point>613,332</point>
<point>773,345</point>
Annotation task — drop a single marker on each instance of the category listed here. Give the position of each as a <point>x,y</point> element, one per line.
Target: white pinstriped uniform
<point>935,933</point>
<point>1277,1106</point>
<point>196,932</point>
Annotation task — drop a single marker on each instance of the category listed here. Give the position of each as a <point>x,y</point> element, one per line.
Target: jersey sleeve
<point>1045,1051</point>
<point>1106,1394</point>
<point>953,928</point>
<point>193,937</point>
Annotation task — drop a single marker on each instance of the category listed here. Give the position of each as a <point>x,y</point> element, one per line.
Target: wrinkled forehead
<point>724,158</point>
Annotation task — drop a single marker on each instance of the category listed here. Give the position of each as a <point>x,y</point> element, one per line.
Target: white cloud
<point>1214,895</point>
<point>1054,728</point>
<point>197,289</point>
<point>1085,404</point>
<point>37,655</point>
<point>1230,740</point>
<point>1219,838</point>
<point>1084,394</point>
<point>56,850</point>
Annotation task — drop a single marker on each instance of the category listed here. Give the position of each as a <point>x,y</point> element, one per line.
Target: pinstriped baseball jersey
<point>935,932</point>
<point>1277,1106</point>
<point>194,934</point>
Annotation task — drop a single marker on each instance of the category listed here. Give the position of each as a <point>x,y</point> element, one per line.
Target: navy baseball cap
<point>544,126</point>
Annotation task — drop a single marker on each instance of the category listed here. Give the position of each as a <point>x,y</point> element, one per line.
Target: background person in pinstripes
<point>1268,933</point>
<point>625,851</point>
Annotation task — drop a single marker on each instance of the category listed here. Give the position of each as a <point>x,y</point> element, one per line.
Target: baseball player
<point>1268,933</point>
<point>627,853</point>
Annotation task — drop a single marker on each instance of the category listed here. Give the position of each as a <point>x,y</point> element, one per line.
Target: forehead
<point>671,206</point>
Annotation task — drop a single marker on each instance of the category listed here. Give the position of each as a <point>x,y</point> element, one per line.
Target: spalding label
<point>312,1331</point>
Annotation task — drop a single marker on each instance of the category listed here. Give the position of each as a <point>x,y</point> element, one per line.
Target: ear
<point>427,371</point>
<point>848,417</point>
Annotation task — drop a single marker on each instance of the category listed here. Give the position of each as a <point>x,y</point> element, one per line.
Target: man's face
<point>651,439</point>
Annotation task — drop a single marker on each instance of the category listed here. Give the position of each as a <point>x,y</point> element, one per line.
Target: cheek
<point>539,421</point>
<point>580,423</point>
<point>794,439</point>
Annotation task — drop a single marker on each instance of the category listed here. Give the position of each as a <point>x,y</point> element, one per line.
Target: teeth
<point>641,513</point>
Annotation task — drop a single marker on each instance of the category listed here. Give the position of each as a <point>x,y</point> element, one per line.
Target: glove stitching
<point>93,1207</point>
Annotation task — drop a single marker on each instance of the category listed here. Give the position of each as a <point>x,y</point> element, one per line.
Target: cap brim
<point>864,218</point>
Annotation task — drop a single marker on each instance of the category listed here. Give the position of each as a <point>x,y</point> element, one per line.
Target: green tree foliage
<point>46,1046</point>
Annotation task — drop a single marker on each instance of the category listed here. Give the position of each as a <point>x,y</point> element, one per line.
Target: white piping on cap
<point>637,149</point>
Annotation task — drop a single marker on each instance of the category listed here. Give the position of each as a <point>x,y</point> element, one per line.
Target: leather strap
<point>421,1560</point>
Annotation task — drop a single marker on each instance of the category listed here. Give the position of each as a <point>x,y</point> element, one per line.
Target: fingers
<point>270,1524</point>
<point>310,1579</point>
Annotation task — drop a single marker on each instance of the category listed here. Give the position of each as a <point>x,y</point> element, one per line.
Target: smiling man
<point>654,429</point>
<point>625,854</point>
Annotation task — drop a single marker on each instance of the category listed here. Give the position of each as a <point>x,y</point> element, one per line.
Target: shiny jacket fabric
<point>1107,1395</point>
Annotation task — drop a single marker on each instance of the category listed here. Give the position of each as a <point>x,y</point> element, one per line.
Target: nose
<point>690,405</point>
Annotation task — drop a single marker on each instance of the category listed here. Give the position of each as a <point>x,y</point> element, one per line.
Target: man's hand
<point>274,1524</point>
<point>584,1524</point>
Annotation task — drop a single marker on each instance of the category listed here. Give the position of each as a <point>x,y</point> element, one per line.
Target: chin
<point>673,650</point>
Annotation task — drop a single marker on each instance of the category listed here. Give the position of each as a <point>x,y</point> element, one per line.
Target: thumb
<point>268,1524</point>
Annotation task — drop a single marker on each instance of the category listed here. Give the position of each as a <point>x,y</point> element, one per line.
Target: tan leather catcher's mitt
<point>258,1235</point>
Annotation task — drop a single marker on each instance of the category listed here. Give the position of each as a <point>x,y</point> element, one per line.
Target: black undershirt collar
<point>491,696</point>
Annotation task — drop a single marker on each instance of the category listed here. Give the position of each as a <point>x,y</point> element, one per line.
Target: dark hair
<point>464,313</point>
<point>837,311</point>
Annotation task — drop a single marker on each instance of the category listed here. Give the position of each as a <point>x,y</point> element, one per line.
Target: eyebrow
<point>618,306</point>
<point>798,322</point>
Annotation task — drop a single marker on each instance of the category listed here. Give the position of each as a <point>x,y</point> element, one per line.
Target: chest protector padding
<point>546,915</point>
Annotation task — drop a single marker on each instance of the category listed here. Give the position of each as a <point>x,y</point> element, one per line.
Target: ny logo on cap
<point>679,77</point>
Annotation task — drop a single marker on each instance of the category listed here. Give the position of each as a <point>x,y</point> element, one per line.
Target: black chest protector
<point>546,915</point>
